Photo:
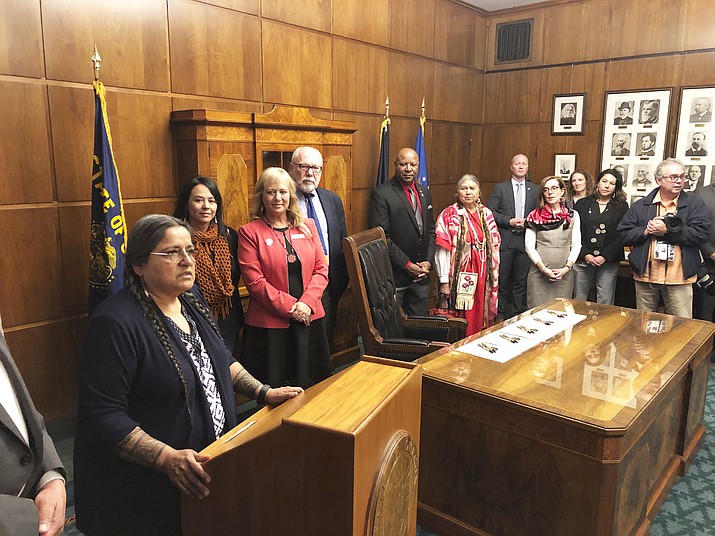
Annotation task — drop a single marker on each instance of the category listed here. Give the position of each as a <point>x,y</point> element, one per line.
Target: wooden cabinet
<point>233,148</point>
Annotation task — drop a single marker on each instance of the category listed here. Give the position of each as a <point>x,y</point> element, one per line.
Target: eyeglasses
<point>305,167</point>
<point>552,188</point>
<point>675,178</point>
<point>177,255</point>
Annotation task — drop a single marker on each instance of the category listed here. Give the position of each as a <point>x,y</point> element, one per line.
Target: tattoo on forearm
<point>245,384</point>
<point>139,447</point>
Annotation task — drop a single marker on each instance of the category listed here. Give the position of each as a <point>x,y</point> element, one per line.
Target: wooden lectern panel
<point>339,459</point>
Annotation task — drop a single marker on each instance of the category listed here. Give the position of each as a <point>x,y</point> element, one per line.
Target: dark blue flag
<point>383,166</point>
<point>421,154</point>
<point>108,231</point>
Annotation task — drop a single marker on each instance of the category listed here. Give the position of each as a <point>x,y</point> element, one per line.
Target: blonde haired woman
<point>285,272</point>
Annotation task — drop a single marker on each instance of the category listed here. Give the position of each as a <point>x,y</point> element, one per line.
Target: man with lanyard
<point>326,209</point>
<point>665,230</point>
<point>404,210</point>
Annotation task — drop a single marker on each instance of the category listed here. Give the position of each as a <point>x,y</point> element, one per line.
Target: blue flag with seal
<point>421,154</point>
<point>383,165</point>
<point>108,230</point>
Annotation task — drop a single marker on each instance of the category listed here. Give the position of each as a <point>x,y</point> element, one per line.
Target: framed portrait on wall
<point>564,165</point>
<point>695,145</point>
<point>634,135</point>
<point>568,114</point>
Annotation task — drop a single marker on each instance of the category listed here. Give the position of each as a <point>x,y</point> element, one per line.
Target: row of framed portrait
<point>635,128</point>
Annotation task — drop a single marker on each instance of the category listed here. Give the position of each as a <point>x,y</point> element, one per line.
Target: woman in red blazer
<point>285,272</point>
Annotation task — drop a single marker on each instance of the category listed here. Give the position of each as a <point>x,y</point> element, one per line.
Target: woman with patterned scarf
<point>467,257</point>
<point>553,242</point>
<point>217,270</point>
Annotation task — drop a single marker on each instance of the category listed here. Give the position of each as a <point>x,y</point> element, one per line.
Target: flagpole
<point>96,61</point>
<point>420,148</point>
<point>383,160</point>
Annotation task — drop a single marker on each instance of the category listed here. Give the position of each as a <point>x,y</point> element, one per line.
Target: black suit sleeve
<point>379,216</point>
<point>497,204</point>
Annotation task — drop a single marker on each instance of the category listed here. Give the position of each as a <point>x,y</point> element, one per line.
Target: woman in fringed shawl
<point>467,257</point>
<point>217,270</point>
<point>553,242</point>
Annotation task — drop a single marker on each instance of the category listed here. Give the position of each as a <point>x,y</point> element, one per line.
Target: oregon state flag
<point>108,231</point>
<point>383,165</point>
<point>421,154</point>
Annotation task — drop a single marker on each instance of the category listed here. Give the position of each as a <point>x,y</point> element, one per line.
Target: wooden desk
<point>582,435</point>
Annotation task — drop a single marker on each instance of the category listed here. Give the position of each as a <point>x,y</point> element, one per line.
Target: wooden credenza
<point>583,434</point>
<point>234,148</point>
<point>340,459</point>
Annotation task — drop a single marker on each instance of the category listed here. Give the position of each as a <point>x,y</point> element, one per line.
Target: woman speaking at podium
<point>156,387</point>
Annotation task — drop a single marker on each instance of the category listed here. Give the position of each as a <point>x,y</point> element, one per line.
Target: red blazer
<point>265,273</point>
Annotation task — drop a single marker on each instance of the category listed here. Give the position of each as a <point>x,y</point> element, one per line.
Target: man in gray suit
<point>510,203</point>
<point>32,485</point>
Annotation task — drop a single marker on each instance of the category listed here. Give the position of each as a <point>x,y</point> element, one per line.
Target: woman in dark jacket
<point>217,271</point>
<point>601,250</point>
<point>156,387</point>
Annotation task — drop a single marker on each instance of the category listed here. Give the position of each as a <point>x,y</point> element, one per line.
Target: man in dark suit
<point>32,486</point>
<point>703,302</point>
<point>647,145</point>
<point>403,209</point>
<point>697,145</point>
<point>624,117</point>
<point>510,203</point>
<point>326,209</point>
<point>701,112</point>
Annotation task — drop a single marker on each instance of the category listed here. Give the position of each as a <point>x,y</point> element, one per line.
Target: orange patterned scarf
<point>213,270</point>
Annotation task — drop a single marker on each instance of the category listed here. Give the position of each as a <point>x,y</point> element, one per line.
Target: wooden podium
<point>342,458</point>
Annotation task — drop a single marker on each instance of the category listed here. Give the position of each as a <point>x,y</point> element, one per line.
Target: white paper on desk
<point>559,320</point>
<point>534,329</point>
<point>507,343</point>
<point>510,341</point>
<point>480,348</point>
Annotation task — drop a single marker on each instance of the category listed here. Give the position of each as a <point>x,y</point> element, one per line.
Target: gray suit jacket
<point>20,464</point>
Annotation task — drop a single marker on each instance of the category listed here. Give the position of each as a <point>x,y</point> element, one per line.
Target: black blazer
<point>337,230</point>
<point>390,209</point>
<point>606,241</point>
<point>20,464</point>
<point>503,207</point>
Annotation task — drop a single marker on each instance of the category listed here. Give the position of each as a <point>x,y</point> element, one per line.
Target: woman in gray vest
<point>553,242</point>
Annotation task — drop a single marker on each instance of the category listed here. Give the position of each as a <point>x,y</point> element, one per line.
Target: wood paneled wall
<point>587,46</point>
<point>341,58</point>
<point>338,57</point>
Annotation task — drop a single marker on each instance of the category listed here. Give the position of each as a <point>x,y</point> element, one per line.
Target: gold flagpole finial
<point>387,106</point>
<point>423,107</point>
<point>95,61</point>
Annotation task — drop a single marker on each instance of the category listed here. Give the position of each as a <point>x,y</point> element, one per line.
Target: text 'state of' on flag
<point>108,231</point>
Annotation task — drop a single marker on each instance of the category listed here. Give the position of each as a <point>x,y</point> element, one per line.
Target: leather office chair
<point>385,330</point>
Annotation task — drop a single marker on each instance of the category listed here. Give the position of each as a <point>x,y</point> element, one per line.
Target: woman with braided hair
<point>217,270</point>
<point>467,257</point>
<point>156,387</point>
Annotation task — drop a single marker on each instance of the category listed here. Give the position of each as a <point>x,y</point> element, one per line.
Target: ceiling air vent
<point>514,41</point>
